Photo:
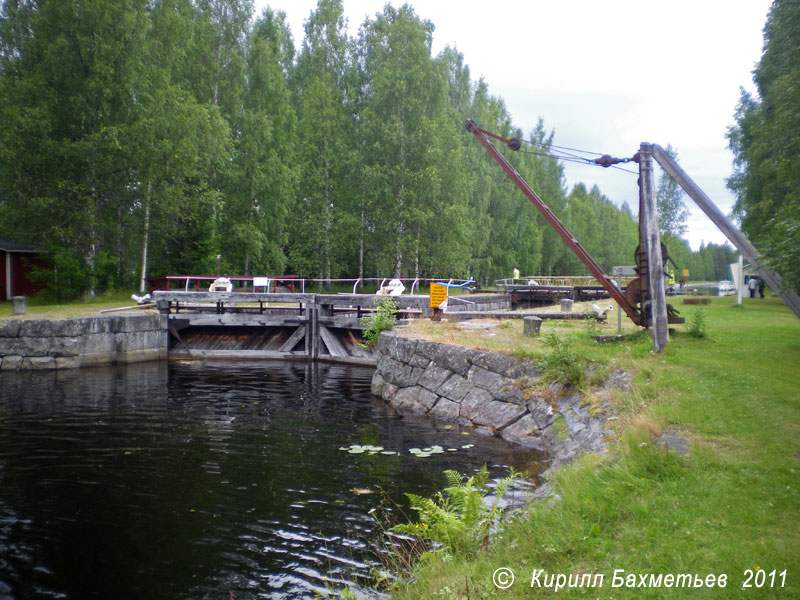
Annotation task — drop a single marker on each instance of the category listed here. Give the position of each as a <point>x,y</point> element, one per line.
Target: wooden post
<point>305,310</point>
<point>772,279</point>
<point>655,266</point>
<point>740,281</point>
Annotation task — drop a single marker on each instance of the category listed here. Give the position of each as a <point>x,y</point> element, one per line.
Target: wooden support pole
<point>655,265</point>
<point>737,238</point>
<point>739,280</point>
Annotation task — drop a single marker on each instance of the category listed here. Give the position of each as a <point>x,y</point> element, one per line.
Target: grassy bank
<point>731,505</point>
<point>36,308</point>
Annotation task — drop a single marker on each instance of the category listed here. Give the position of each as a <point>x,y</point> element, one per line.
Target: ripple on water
<point>196,480</point>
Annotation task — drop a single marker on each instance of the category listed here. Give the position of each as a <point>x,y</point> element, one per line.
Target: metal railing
<point>556,281</point>
<point>291,282</point>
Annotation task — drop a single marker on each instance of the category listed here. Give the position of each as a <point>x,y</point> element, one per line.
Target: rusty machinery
<point>635,299</point>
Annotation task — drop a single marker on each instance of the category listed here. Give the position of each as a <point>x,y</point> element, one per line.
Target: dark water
<point>197,480</point>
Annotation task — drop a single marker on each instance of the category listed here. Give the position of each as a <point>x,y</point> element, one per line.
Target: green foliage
<point>562,363</point>
<point>458,518</point>
<point>609,234</point>
<point>144,138</point>
<point>592,327</point>
<point>672,212</point>
<point>709,263</point>
<point>698,326</point>
<point>383,319</point>
<point>766,143</point>
<point>65,281</point>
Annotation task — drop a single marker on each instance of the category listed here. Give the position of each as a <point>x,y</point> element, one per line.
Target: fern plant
<point>458,518</point>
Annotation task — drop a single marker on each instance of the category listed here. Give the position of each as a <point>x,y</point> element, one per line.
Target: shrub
<point>698,327</point>
<point>383,319</point>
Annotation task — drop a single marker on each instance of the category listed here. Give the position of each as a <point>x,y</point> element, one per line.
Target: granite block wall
<point>495,393</point>
<point>32,344</point>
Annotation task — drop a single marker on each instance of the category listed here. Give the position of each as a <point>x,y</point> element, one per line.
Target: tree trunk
<point>145,239</point>
<point>328,225</point>
<point>398,260</point>
<point>247,248</point>
<point>361,251</point>
<point>416,258</point>
<point>91,291</point>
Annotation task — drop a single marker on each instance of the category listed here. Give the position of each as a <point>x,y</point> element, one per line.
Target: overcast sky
<point>605,76</point>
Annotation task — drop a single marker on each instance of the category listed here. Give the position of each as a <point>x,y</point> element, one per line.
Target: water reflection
<point>200,479</point>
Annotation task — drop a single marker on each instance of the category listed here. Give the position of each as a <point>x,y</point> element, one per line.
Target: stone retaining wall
<point>69,343</point>
<point>497,394</point>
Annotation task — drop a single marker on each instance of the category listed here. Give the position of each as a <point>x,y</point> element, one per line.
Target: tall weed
<point>563,363</point>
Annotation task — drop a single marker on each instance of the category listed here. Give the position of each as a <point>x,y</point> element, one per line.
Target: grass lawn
<point>37,309</point>
<point>733,504</point>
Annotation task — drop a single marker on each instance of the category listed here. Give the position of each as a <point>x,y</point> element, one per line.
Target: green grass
<point>36,308</point>
<point>732,504</point>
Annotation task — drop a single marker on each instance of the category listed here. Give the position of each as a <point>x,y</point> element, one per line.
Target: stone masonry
<point>69,343</point>
<point>493,392</point>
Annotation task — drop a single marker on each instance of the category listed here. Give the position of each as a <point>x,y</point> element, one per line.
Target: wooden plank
<point>314,329</point>
<point>244,354</point>
<point>342,322</point>
<point>362,301</point>
<point>309,337</point>
<point>298,335</point>
<point>361,361</point>
<point>737,238</point>
<point>228,297</point>
<point>334,346</point>
<point>655,267</point>
<point>240,320</point>
<point>369,300</point>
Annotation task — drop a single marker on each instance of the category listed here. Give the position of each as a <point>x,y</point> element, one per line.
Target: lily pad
<point>358,449</point>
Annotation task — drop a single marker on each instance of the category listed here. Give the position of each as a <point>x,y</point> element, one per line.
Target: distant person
<point>761,287</point>
<point>516,274</point>
<point>753,286</point>
<point>671,282</point>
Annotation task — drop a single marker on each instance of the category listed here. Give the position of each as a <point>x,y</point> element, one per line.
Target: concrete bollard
<point>566,305</point>
<point>18,305</point>
<point>531,326</point>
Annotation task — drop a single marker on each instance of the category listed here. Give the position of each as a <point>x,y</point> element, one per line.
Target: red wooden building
<point>17,261</point>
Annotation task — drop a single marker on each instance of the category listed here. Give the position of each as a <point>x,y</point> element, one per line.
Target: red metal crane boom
<point>551,218</point>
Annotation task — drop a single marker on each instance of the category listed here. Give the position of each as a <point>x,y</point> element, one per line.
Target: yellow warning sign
<point>438,294</point>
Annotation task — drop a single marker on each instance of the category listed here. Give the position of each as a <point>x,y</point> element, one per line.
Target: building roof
<point>8,245</point>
